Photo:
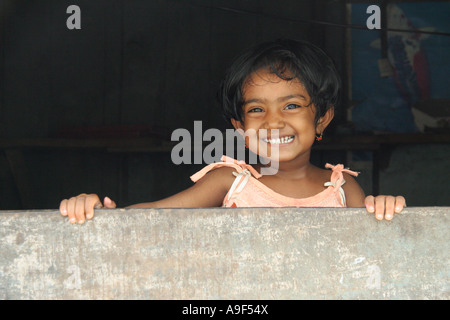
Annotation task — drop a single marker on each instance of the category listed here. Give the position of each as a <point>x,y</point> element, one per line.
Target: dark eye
<point>255,110</point>
<point>292,106</point>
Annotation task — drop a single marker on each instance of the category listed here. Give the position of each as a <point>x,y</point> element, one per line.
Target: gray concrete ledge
<point>264,253</point>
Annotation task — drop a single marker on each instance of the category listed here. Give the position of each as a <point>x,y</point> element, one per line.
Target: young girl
<point>285,87</point>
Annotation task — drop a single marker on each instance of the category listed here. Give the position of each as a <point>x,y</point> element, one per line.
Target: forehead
<point>264,84</point>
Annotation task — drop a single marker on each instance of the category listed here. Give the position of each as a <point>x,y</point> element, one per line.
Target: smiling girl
<point>282,94</point>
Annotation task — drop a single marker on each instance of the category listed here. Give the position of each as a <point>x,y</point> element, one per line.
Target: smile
<point>281,140</point>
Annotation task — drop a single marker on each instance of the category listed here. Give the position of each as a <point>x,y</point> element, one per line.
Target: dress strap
<point>337,178</point>
<point>239,165</point>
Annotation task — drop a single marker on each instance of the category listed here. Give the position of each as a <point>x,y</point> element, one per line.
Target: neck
<point>294,169</point>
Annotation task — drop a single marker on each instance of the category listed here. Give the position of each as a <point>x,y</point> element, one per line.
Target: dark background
<point>141,69</point>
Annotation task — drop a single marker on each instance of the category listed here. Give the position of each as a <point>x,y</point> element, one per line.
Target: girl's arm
<point>383,206</point>
<point>207,192</point>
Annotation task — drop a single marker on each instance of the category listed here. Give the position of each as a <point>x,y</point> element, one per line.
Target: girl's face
<point>279,117</point>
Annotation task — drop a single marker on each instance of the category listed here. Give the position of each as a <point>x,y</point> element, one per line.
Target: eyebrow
<point>281,99</point>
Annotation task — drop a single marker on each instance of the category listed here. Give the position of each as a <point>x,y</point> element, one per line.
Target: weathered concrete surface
<point>266,253</point>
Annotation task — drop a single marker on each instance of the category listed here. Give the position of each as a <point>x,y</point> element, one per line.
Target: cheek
<point>254,143</point>
<point>251,138</point>
<point>306,124</point>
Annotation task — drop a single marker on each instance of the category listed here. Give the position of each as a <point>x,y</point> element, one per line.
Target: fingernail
<point>398,209</point>
<point>388,216</point>
<point>89,216</point>
<point>72,220</point>
<point>81,222</point>
<point>379,216</point>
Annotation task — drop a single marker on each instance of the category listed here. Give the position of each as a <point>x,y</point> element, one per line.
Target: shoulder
<point>222,177</point>
<point>353,192</point>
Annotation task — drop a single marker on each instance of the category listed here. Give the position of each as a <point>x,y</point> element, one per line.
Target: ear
<point>237,124</point>
<point>325,121</point>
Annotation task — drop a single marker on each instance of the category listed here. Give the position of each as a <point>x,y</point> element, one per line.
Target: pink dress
<point>248,191</point>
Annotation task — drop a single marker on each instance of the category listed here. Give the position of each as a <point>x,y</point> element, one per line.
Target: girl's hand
<point>384,206</point>
<point>80,208</point>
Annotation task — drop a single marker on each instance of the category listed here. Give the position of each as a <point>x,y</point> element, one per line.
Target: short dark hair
<point>289,60</point>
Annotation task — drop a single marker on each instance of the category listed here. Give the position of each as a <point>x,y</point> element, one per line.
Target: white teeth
<point>278,140</point>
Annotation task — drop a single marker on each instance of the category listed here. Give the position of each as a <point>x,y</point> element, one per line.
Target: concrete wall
<point>266,253</point>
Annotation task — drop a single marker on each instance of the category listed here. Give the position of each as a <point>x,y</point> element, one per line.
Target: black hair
<point>289,60</point>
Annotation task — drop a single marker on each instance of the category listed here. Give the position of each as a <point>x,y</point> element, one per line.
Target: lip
<point>281,141</point>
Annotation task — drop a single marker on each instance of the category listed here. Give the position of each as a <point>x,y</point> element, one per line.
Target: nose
<point>273,120</point>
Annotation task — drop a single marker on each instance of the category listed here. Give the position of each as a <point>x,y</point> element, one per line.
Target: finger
<point>370,204</point>
<point>400,203</point>
<point>109,203</point>
<point>63,207</point>
<point>92,202</point>
<point>379,207</point>
<point>79,209</point>
<point>389,207</point>
<point>71,209</point>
